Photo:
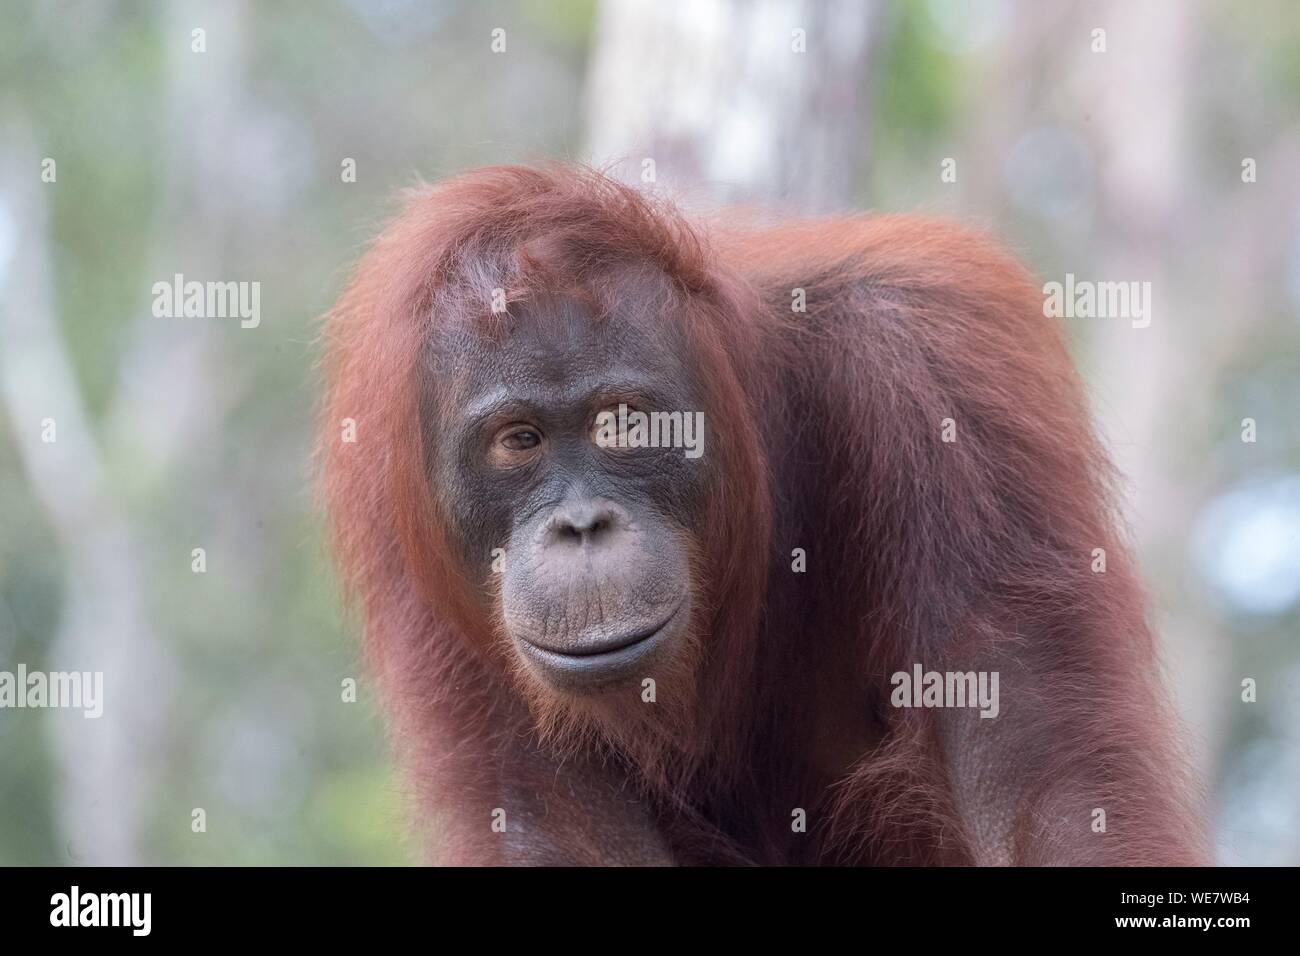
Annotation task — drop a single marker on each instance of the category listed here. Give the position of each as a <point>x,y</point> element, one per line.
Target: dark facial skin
<point>596,581</point>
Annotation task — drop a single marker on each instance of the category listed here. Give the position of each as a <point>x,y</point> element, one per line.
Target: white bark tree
<point>742,101</point>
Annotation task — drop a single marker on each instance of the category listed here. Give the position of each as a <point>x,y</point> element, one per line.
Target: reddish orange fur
<point>957,556</point>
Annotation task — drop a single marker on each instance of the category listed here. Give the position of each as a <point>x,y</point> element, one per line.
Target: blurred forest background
<point>223,689</point>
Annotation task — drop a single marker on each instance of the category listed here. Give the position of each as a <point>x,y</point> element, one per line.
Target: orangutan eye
<point>521,439</point>
<point>610,428</point>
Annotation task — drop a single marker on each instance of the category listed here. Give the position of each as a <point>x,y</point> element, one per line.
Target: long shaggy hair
<point>962,555</point>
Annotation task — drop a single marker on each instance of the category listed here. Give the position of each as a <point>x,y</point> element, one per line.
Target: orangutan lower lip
<point>618,644</point>
<point>612,648</point>
<point>599,665</point>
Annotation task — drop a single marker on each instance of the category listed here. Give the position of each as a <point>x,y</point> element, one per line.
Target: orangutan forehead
<point>563,336</point>
<point>560,350</point>
<point>622,311</point>
<point>517,281</point>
